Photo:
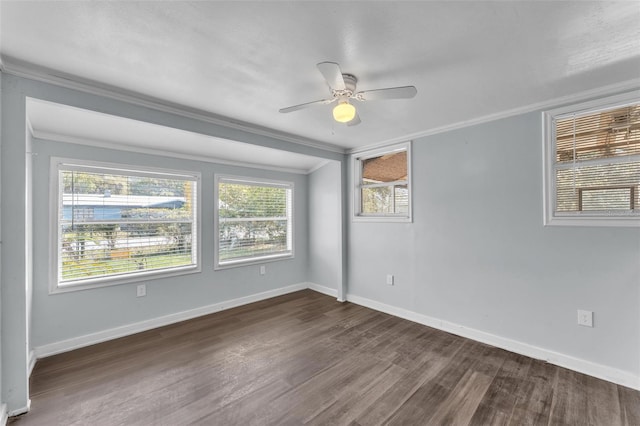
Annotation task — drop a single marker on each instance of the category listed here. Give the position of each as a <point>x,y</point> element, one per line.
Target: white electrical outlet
<point>585,318</point>
<point>141,290</point>
<point>390,279</point>
<point>263,269</point>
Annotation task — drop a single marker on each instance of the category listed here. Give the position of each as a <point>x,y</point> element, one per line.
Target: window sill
<point>252,261</point>
<point>606,221</point>
<point>123,279</point>
<point>399,219</point>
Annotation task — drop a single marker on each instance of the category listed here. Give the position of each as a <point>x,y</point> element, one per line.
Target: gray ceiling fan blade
<point>355,121</point>
<point>331,72</point>
<point>404,92</point>
<point>308,104</point>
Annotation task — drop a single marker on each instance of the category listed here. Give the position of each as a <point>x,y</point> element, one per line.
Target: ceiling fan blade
<point>355,121</point>
<point>331,72</point>
<point>404,92</point>
<point>307,105</point>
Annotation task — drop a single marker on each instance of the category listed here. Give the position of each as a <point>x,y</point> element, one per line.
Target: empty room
<point>319,212</point>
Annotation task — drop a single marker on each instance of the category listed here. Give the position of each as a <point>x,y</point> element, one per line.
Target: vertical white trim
<point>32,362</point>
<point>548,185</point>
<point>3,414</point>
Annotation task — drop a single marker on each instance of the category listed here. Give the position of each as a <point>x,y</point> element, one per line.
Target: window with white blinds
<point>593,163</point>
<point>118,224</point>
<point>382,179</point>
<point>254,220</point>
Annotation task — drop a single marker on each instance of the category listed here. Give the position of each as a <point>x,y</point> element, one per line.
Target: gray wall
<point>478,255</point>
<point>63,316</point>
<point>66,315</point>
<point>2,397</point>
<point>325,226</point>
<point>15,246</point>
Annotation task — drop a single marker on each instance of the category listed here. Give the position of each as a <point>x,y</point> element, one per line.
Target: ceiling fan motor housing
<point>350,87</point>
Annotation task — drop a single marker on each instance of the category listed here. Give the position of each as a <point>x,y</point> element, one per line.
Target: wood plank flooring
<point>304,358</point>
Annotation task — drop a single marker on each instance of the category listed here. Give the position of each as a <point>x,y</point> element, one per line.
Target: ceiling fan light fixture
<point>344,112</point>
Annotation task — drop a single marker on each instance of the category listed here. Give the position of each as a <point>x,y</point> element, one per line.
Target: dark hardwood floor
<point>304,358</point>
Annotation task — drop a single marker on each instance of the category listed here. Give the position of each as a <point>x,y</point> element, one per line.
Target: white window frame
<point>248,180</point>
<point>357,159</point>
<point>55,198</point>
<point>549,118</point>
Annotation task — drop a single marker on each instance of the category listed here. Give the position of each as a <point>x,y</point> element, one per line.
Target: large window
<point>115,223</point>
<point>592,155</point>
<point>383,190</point>
<point>254,220</point>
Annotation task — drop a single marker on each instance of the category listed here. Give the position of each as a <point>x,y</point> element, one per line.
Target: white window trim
<point>98,282</point>
<point>356,160</point>
<point>550,217</point>
<point>216,234</point>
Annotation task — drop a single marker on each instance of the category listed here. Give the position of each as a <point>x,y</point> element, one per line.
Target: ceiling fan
<point>343,88</point>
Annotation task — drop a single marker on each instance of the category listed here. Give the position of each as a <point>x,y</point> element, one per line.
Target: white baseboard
<point>580,365</point>
<point>126,330</point>
<point>3,414</point>
<point>19,411</point>
<point>323,289</point>
<point>600,371</point>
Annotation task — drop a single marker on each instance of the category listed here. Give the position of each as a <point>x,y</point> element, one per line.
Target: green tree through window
<point>114,223</point>
<point>254,220</point>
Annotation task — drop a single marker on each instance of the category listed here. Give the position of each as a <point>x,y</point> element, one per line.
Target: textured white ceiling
<point>245,60</point>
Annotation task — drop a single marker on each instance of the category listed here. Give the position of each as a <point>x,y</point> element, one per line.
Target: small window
<point>592,154</point>
<point>383,191</point>
<point>114,224</point>
<point>254,220</point>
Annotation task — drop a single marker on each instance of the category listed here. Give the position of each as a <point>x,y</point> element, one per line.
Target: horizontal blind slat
<point>115,224</point>
<point>253,220</point>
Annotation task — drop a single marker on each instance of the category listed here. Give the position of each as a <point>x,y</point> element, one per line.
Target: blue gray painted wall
<point>477,253</point>
<point>62,316</point>
<point>325,226</point>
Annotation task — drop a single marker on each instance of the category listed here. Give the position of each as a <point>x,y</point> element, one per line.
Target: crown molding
<point>162,153</point>
<point>30,71</point>
<point>613,89</point>
<point>23,69</point>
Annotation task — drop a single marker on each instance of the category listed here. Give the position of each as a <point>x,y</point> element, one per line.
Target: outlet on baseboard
<point>141,290</point>
<point>585,318</point>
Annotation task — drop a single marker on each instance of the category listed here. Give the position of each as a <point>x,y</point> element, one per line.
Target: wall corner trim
<point>3,415</point>
<point>599,371</point>
<point>32,362</point>
<point>19,411</point>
